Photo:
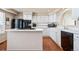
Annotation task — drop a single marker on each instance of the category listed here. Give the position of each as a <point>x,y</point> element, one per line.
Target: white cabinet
<point>53,33</point>
<point>59,37</point>
<point>24,40</point>
<point>27,15</point>
<point>52,18</point>
<point>46,32</point>
<point>34,19</point>
<point>76,42</point>
<point>75,13</point>
<point>42,19</point>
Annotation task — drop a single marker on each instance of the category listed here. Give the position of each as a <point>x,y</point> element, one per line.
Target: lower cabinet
<point>76,42</point>
<point>46,32</point>
<point>76,45</point>
<point>52,33</point>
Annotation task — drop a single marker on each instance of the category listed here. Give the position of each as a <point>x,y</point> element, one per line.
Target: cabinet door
<point>52,33</point>
<point>58,37</point>
<point>34,20</point>
<point>27,17</point>
<point>52,18</point>
<point>46,32</point>
<point>76,44</point>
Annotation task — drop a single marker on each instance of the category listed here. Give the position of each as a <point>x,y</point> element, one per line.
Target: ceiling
<point>37,10</point>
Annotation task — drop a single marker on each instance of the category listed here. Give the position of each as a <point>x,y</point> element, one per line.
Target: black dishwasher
<point>67,41</point>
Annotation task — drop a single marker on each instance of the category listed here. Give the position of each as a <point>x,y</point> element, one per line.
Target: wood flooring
<point>3,46</point>
<point>48,45</point>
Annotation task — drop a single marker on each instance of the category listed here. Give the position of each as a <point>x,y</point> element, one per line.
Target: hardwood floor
<point>3,46</point>
<point>48,45</point>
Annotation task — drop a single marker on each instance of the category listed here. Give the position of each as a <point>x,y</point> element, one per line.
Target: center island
<point>24,39</point>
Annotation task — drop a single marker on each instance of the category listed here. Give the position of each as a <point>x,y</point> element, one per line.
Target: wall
<point>10,16</point>
<point>75,13</point>
<point>59,17</point>
<point>65,17</point>
<point>20,15</point>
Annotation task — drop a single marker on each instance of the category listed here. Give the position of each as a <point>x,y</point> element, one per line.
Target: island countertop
<point>24,30</point>
<point>25,39</point>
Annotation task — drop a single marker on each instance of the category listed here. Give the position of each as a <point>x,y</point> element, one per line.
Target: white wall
<point>19,16</point>
<point>68,18</point>
<point>75,15</point>
<point>2,22</point>
<point>59,17</point>
<point>65,17</point>
<point>10,16</point>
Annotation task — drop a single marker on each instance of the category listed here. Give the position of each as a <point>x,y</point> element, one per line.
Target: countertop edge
<point>24,30</point>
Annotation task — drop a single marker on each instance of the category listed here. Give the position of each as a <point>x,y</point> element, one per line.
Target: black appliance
<point>52,25</point>
<point>34,24</point>
<point>67,41</point>
<point>13,23</point>
<point>21,24</point>
<point>26,24</point>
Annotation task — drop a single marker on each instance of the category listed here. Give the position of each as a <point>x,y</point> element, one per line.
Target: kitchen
<point>44,22</point>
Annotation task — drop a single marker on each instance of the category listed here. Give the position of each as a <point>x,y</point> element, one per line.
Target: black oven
<point>67,41</point>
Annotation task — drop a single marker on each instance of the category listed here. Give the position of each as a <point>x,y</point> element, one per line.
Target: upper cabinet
<point>42,19</point>
<point>52,18</point>
<point>34,19</point>
<point>75,13</point>
<point>27,15</point>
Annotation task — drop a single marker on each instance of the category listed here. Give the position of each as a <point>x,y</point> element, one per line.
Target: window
<point>2,22</point>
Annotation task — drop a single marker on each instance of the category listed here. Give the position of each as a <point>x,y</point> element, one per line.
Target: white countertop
<point>35,30</point>
<point>71,29</point>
